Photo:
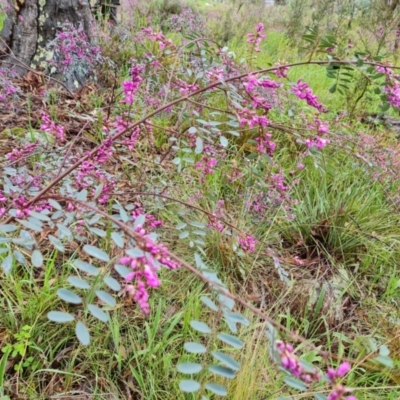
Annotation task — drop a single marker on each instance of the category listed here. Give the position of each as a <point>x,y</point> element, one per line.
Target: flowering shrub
<point>198,116</point>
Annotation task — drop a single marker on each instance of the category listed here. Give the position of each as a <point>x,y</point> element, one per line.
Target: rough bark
<point>31,24</point>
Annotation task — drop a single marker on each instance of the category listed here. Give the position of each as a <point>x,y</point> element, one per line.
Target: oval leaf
<point>227,360</point>
<point>86,267</point>
<point>118,239</point>
<point>96,253</point>
<point>82,333</point>
<point>222,371</point>
<point>60,316</point>
<point>189,368</point>
<point>122,270</point>
<point>209,303</point>
<point>68,296</point>
<point>195,348</point>
<point>106,297</point>
<point>112,283</point>
<point>200,326</point>
<point>295,383</point>
<point>231,340</point>
<point>7,263</point>
<point>56,243</point>
<point>98,313</point>
<point>7,228</point>
<point>235,317</point>
<point>54,204</point>
<point>78,282</point>
<point>37,258</point>
<point>217,389</point>
<point>189,386</point>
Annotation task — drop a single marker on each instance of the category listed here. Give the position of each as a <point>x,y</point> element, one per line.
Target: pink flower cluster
<point>255,38</point>
<point>392,88</point>
<point>144,269</point>
<point>265,145</point>
<point>317,142</point>
<point>304,92</point>
<point>393,93</point>
<point>104,151</point>
<point>151,220</point>
<point>247,243</point>
<point>207,165</point>
<point>7,87</point>
<point>157,37</point>
<point>186,88</point>
<point>281,71</point>
<point>252,82</point>
<point>292,364</point>
<point>51,127</point>
<point>18,154</point>
<point>131,87</point>
<point>214,219</point>
<point>251,118</point>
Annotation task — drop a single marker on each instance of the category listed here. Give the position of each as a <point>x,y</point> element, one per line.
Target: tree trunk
<point>31,24</point>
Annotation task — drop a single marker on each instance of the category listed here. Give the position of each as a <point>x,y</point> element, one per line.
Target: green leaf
<point>106,298</point>
<point>98,232</point>
<point>135,252</point>
<point>124,215</point>
<point>86,267</point>
<point>139,220</point>
<point>118,239</point>
<point>39,216</point>
<point>216,389</point>
<point>98,313</point>
<point>197,224</point>
<point>227,360</point>
<point>82,333</point>
<point>332,89</point>
<point>184,235</point>
<point>54,204</point>
<point>295,383</point>
<point>195,348</point>
<point>122,270</point>
<point>222,371</point>
<point>30,225</point>
<point>189,386</point>
<point>386,361</point>
<point>96,253</point>
<point>60,316</point>
<point>68,296</point>
<point>189,368</point>
<point>235,317</point>
<point>320,396</point>
<point>56,243</point>
<point>112,283</point>
<point>78,282</point>
<point>99,189</point>
<point>200,327</point>
<point>224,141</point>
<point>199,146</point>
<point>7,264</point>
<point>385,107</point>
<point>209,303</point>
<point>7,228</point>
<point>384,351</point>
<point>231,340</point>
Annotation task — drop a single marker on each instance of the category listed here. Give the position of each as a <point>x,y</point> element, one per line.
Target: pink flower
<point>304,92</point>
